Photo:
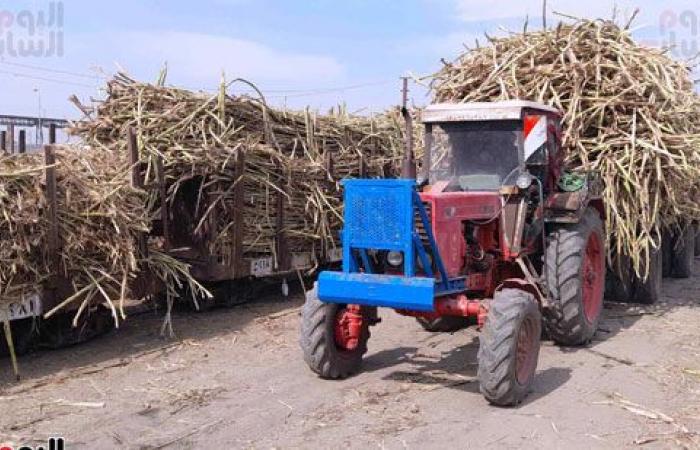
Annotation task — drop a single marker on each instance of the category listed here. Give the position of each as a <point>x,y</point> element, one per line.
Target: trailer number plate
<point>29,306</point>
<point>261,267</point>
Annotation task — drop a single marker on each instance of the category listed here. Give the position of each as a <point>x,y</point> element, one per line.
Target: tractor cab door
<point>543,154</point>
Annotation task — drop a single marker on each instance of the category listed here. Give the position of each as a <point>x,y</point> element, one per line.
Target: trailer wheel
<point>25,334</point>
<point>667,254</point>
<point>509,347</point>
<point>619,282</point>
<point>576,279</point>
<point>648,291</point>
<point>444,324</point>
<point>325,341</point>
<point>683,253</point>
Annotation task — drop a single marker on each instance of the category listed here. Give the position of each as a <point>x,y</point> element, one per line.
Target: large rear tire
<point>509,347</point>
<point>323,354</point>
<point>576,279</point>
<point>444,324</point>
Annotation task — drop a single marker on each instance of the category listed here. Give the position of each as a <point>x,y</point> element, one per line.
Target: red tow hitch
<point>348,327</point>
<point>457,305</point>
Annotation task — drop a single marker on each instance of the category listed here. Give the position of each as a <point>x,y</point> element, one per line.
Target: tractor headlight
<point>394,259</point>
<point>524,180</point>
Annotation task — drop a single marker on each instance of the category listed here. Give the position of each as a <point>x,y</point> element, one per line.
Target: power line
<point>316,91</point>
<point>46,69</point>
<point>51,80</point>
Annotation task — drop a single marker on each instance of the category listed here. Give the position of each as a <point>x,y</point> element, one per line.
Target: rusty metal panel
<point>566,201</point>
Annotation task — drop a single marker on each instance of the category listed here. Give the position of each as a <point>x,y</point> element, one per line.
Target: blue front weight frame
<point>381,215</point>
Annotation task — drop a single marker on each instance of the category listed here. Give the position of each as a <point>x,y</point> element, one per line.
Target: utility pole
<point>40,126</point>
<point>408,168</point>
<point>544,14</point>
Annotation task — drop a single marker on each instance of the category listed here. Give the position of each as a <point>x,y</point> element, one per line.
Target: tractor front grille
<point>375,218</point>
<point>421,229</point>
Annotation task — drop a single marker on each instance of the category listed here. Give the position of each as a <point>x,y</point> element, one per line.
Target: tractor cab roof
<point>482,111</point>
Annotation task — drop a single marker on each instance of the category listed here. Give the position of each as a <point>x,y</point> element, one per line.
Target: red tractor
<point>495,233</point>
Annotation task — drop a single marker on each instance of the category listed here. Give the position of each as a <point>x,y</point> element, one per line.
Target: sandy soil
<point>235,378</point>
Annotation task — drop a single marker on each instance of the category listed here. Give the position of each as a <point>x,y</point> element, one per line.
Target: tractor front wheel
<point>333,337</point>
<point>576,280</point>
<point>509,346</point>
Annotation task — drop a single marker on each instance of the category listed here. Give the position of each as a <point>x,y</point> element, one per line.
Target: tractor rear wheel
<point>444,324</point>
<point>683,253</point>
<point>332,344</point>
<point>576,280</point>
<point>509,346</point>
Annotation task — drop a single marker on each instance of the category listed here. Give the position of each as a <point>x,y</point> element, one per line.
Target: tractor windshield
<point>474,155</point>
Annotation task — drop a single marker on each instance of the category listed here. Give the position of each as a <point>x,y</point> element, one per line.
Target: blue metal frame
<point>380,215</point>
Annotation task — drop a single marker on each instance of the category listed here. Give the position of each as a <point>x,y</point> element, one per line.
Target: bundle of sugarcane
<point>90,245</point>
<point>197,139</point>
<point>630,113</point>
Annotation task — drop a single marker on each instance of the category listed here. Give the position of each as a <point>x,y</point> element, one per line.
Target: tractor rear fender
<point>569,207</point>
<point>523,285</point>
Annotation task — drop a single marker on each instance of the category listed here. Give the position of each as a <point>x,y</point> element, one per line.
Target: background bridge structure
<point>16,125</point>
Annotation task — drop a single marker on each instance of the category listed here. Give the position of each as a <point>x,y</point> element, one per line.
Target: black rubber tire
<point>25,337</point>
<point>565,318</point>
<point>619,283</point>
<point>318,339</point>
<point>444,324</point>
<point>667,245</point>
<point>648,291</point>
<point>683,253</point>
<point>498,344</point>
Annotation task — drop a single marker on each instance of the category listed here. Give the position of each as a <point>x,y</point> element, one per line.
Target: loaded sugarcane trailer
<point>46,314</point>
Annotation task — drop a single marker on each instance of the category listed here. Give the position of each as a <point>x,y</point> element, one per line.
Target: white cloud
<point>650,10</point>
<point>475,10</point>
<point>198,58</point>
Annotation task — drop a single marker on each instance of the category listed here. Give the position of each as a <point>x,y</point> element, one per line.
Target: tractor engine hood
<point>459,206</point>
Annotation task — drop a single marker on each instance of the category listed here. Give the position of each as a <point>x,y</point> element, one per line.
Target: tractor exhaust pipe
<point>408,166</point>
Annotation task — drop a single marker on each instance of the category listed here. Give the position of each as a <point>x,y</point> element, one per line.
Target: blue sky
<point>314,52</point>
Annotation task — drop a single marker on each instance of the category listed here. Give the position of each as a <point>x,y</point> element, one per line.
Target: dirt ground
<point>235,379</point>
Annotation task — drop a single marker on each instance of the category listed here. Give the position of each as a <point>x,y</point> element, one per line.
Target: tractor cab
<point>483,146</point>
<point>487,235</point>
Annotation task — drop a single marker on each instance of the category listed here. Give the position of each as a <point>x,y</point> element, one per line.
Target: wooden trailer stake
<point>238,205</point>
<point>136,181</point>
<point>164,214</point>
